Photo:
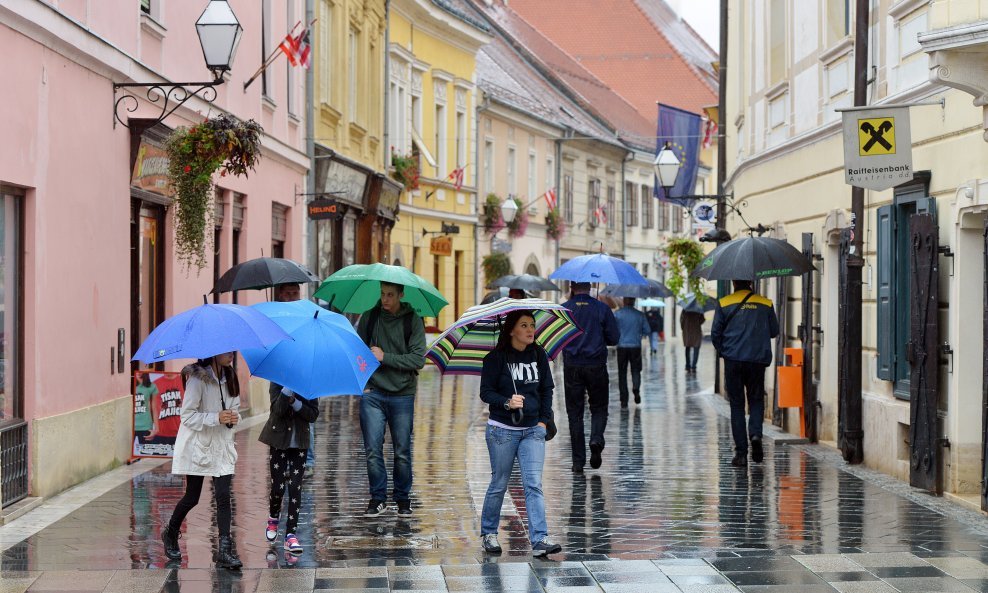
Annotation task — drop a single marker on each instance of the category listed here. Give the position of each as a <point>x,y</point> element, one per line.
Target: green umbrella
<point>357,288</point>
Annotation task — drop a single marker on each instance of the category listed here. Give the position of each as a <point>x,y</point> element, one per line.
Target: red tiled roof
<point>623,47</point>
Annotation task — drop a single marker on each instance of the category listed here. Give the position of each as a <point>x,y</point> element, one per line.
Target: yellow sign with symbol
<point>876,136</point>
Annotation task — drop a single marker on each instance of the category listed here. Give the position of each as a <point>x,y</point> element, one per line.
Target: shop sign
<point>500,246</point>
<point>345,182</point>
<point>151,169</point>
<point>877,147</point>
<point>441,246</point>
<point>323,209</point>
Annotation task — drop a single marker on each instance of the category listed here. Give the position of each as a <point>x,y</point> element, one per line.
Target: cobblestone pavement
<point>666,512</point>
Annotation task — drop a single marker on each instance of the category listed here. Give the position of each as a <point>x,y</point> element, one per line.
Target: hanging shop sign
<point>441,246</point>
<point>877,147</point>
<point>323,209</point>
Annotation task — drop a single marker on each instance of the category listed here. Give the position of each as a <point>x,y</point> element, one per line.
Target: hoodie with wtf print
<point>524,372</point>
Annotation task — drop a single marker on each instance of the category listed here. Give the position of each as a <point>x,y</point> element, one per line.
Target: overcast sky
<point>703,16</point>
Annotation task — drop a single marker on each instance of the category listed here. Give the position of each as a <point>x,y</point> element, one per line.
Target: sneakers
<point>309,470</point>
<point>292,545</point>
<point>271,532</point>
<point>546,547</point>
<point>740,459</point>
<point>375,508</point>
<point>404,507</point>
<point>595,459</point>
<point>490,544</point>
<point>756,449</point>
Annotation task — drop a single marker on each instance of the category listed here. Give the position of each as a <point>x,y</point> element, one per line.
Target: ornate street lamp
<point>666,168</point>
<point>508,209</point>
<point>219,35</point>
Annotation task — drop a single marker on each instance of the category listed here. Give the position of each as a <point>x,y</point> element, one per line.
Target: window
<point>631,199</point>
<point>416,111</point>
<point>568,198</point>
<point>146,6</point>
<point>461,139</point>
<point>441,156</point>
<point>593,201</point>
<point>488,166</point>
<point>676,213</point>
<point>532,176</point>
<point>893,249</point>
<point>512,180</point>
<point>11,299</point>
<point>325,61</point>
<point>838,21</point>
<point>352,82</point>
<point>663,217</point>
<point>218,238</point>
<point>550,174</point>
<point>290,90</point>
<point>777,41</point>
<point>279,229</point>
<point>611,211</point>
<point>648,205</point>
<point>239,211</point>
<point>265,45</point>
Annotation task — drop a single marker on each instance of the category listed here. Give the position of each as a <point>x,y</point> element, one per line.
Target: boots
<point>170,537</point>
<point>226,555</point>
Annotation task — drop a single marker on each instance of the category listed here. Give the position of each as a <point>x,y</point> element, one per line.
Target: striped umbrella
<point>460,350</point>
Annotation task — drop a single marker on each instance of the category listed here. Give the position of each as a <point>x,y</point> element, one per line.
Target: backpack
<point>372,317</point>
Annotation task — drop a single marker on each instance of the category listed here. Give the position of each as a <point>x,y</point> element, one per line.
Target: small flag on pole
<point>457,176</point>
<point>550,198</point>
<point>297,48</point>
<point>600,214</point>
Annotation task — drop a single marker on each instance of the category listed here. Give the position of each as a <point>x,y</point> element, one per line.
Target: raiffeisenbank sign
<point>878,152</point>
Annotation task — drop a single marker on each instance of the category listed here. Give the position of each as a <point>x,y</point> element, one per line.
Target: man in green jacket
<point>396,336</point>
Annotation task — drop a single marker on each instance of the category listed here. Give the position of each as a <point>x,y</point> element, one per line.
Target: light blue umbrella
<point>209,330</point>
<point>598,267</point>
<point>651,303</point>
<point>324,357</point>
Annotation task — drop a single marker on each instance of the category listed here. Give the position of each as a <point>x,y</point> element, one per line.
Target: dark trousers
<point>625,357</point>
<point>287,470</point>
<point>740,379</point>
<point>585,383</point>
<point>691,363</point>
<point>193,488</point>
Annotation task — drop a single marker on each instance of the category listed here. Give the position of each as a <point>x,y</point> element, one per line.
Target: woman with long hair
<point>204,447</point>
<point>517,384</point>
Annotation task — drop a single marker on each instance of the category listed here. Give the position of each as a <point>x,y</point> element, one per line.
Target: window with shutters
<point>568,198</point>
<point>611,210</point>
<point>237,219</point>
<point>893,281</point>
<point>279,229</point>
<point>649,204</point>
<point>631,199</point>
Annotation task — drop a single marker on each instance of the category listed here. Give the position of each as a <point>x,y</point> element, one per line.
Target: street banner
<point>157,412</point>
<point>878,151</point>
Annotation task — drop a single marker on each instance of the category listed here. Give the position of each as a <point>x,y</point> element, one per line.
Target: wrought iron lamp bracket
<point>168,95</point>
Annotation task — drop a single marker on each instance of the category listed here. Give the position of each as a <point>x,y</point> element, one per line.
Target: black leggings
<point>287,469</point>
<point>193,488</point>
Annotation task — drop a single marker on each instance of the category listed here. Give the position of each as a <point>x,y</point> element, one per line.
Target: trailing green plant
<point>554,226</point>
<point>491,216</point>
<point>518,226</point>
<point>685,255</point>
<point>406,168</point>
<point>195,153</point>
<point>495,265</point>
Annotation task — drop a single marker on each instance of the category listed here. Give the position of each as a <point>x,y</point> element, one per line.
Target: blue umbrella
<point>599,267</point>
<point>209,330</point>
<point>324,357</point>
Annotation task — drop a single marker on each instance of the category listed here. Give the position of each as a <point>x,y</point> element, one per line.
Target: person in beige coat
<point>204,447</point>
<point>691,323</point>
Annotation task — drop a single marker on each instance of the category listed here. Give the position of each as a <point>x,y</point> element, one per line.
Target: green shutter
<point>886,258</point>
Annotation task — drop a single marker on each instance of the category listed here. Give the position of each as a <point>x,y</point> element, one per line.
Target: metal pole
<point>851,434</point>
<point>311,227</point>
<point>721,155</point>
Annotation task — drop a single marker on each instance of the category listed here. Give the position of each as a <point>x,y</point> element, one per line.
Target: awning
<point>417,140</point>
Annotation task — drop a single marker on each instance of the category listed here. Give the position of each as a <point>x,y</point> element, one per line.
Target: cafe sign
<point>441,246</point>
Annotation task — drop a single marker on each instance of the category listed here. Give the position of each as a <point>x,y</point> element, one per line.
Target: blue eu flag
<point>682,130</point>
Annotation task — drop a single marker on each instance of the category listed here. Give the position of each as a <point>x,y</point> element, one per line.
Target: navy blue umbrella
<point>692,304</point>
<point>599,267</point>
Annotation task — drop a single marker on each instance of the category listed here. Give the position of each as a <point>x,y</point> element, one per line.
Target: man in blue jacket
<point>633,326</point>
<point>585,372</point>
<point>744,326</point>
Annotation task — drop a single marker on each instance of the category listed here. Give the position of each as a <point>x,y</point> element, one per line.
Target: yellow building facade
<point>431,117</point>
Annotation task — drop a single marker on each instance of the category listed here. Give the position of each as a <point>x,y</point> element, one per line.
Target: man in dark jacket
<point>585,372</point>
<point>744,326</point>
<point>396,336</point>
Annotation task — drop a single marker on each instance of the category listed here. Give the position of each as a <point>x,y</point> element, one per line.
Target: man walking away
<point>632,326</point>
<point>691,323</point>
<point>585,372</point>
<point>744,326</point>
<point>396,336</point>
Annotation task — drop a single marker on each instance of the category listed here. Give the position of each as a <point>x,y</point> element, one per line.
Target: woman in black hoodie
<point>517,384</point>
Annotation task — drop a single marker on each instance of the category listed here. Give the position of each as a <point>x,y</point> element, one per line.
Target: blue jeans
<point>741,379</point>
<point>310,453</point>
<point>504,446</point>
<point>695,352</point>
<point>396,412</point>
<point>653,340</point>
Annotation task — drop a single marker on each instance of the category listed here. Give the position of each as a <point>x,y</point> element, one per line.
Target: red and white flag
<point>297,48</point>
<point>600,214</point>
<point>709,133</point>
<point>550,198</point>
<point>457,177</point>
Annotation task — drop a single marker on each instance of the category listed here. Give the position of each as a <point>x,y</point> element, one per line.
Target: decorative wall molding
<point>959,59</point>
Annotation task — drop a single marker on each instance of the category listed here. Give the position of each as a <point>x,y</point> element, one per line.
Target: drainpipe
<point>310,150</point>
<point>483,106</point>
<point>387,82</point>
<point>624,222</point>
<point>567,134</point>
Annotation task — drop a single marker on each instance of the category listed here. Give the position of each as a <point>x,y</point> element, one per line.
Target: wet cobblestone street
<point>665,512</point>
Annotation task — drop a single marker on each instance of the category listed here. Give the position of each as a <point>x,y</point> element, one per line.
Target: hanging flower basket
<point>554,226</point>
<point>491,216</point>
<point>222,143</point>
<point>518,226</point>
<point>684,256</point>
<point>406,169</point>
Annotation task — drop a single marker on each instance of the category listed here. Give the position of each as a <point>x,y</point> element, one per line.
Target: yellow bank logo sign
<point>876,136</point>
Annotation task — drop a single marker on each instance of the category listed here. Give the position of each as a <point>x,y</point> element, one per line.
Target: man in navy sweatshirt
<point>585,373</point>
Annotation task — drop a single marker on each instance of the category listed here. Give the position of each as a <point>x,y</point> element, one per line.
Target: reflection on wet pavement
<point>666,492</point>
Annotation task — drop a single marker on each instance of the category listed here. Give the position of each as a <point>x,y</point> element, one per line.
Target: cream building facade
<point>792,66</point>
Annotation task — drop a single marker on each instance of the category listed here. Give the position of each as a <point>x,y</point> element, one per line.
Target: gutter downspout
<point>387,81</point>
<point>624,194</point>
<point>482,106</point>
<point>310,149</point>
<point>567,135</point>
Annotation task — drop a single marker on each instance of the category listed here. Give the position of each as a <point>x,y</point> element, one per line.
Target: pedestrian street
<point>665,512</point>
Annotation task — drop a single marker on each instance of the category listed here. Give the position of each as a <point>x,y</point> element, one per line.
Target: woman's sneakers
<point>546,547</point>
<point>271,531</point>
<point>291,544</point>
<point>490,544</point>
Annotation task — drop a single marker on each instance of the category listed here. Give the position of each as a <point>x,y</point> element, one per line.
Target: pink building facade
<point>88,265</point>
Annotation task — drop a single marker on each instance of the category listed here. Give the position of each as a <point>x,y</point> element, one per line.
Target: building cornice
<point>428,17</point>
<point>437,214</point>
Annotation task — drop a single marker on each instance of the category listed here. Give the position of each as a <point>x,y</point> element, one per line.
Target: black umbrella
<point>692,305</point>
<point>499,293</point>
<point>264,272</point>
<point>753,258</point>
<point>654,289</point>
<point>524,282</point>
